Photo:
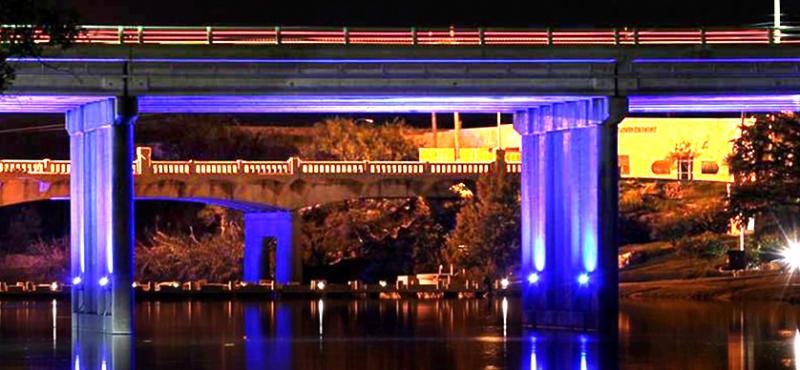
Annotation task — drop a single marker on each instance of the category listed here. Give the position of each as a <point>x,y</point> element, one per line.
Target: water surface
<point>398,334</point>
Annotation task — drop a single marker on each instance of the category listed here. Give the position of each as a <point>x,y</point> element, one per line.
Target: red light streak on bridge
<point>150,35</point>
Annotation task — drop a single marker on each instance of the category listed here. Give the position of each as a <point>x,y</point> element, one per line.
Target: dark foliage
<point>766,168</point>
<point>32,17</point>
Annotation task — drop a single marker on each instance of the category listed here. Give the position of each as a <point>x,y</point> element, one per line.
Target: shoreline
<point>754,286</point>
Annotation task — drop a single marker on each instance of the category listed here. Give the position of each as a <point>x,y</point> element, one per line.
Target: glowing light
<point>583,279</point>
<point>796,346</point>
<point>504,283</point>
<point>382,283</point>
<point>103,281</point>
<point>134,285</point>
<point>175,284</point>
<point>714,103</point>
<point>321,285</point>
<point>77,280</point>
<point>54,286</point>
<point>790,256</point>
<point>533,278</point>
<point>539,253</point>
<point>321,310</point>
<point>505,316</point>
<point>315,61</point>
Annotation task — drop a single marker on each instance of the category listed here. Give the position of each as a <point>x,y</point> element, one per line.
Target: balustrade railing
<point>269,168</point>
<point>425,36</point>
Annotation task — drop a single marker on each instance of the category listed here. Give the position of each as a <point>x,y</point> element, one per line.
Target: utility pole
<point>776,21</point>
<point>435,132</point>
<point>499,133</point>
<point>456,134</point>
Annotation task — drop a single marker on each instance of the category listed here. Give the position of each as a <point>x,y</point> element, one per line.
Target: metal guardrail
<point>152,35</point>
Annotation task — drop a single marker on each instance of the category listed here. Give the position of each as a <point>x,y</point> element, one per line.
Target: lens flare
<point>790,256</point>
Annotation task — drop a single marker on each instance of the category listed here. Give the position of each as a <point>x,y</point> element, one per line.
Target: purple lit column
<point>280,225</point>
<point>101,215</point>
<point>569,212</point>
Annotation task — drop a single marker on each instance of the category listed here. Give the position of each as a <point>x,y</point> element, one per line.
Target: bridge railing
<point>294,166</point>
<point>426,36</point>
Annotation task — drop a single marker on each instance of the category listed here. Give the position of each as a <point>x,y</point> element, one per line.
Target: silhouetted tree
<point>486,239</point>
<point>765,164</point>
<point>390,236</point>
<point>32,17</point>
<point>342,139</point>
<point>216,257</point>
<point>210,137</point>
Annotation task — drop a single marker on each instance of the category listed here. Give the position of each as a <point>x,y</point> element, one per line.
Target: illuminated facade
<point>648,148</point>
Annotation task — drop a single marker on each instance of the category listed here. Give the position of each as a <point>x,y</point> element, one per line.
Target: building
<point>653,148</point>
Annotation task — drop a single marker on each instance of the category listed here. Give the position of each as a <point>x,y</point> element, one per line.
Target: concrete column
<point>569,212</point>
<point>101,213</point>
<point>280,225</point>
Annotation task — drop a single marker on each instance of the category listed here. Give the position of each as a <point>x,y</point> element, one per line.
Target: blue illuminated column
<point>569,191</point>
<point>280,225</point>
<point>101,215</point>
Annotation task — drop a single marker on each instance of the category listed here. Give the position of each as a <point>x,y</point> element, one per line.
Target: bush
<point>707,245</point>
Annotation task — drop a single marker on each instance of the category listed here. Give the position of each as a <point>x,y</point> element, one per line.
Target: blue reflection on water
<point>94,351</point>
<point>263,348</point>
<point>547,350</point>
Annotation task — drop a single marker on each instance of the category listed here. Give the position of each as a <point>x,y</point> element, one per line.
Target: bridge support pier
<point>258,228</point>
<point>569,191</point>
<point>101,215</point>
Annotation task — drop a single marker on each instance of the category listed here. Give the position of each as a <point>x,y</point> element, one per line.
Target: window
<point>662,167</point>
<point>709,168</point>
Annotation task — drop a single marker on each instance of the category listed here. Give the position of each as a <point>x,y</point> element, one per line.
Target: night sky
<point>432,13</point>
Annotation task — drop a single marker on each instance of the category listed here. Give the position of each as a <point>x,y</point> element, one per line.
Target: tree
<point>216,257</point>
<point>23,229</point>
<point>342,139</point>
<point>34,20</point>
<point>766,171</point>
<point>387,236</point>
<point>210,137</point>
<point>486,239</point>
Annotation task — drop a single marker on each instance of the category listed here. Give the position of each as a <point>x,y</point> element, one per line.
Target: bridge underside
<point>569,176</point>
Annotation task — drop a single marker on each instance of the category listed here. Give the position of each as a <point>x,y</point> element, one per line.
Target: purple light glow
<point>313,61</point>
<point>343,104</point>
<point>44,103</point>
<point>718,60</point>
<point>714,103</point>
<point>398,104</point>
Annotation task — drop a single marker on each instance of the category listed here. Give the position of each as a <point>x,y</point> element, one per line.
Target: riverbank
<point>657,270</point>
<point>755,286</point>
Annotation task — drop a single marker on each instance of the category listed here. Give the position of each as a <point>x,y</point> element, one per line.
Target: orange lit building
<point>655,148</point>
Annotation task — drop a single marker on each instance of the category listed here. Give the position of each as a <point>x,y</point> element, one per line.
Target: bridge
<point>567,89</point>
<point>267,192</point>
<point>254,185</point>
